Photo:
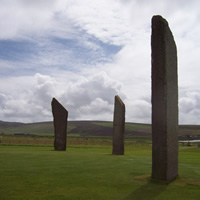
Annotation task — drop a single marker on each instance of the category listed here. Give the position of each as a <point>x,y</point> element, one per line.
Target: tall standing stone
<point>118,127</point>
<point>60,115</point>
<point>164,102</point>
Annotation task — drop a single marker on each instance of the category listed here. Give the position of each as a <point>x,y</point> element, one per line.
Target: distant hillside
<point>90,128</point>
<point>40,128</point>
<point>103,128</point>
<point>82,128</point>
<point>9,124</point>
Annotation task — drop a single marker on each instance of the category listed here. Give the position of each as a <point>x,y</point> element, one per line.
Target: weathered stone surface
<point>164,102</point>
<point>118,127</point>
<point>60,115</point>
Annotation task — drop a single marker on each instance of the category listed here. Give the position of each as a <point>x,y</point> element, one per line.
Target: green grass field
<point>90,172</point>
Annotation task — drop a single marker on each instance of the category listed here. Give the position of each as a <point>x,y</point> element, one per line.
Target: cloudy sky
<point>84,52</point>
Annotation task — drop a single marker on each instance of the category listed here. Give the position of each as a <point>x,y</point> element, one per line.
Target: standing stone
<point>164,102</point>
<point>60,115</point>
<point>118,127</point>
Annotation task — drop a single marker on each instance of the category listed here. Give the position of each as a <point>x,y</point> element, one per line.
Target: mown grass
<point>92,173</point>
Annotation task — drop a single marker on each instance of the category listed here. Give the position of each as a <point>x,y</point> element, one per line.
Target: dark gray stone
<point>60,115</point>
<point>164,102</point>
<point>118,127</point>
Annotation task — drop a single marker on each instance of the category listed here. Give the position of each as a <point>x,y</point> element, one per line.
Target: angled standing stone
<point>118,127</point>
<point>164,102</point>
<point>60,115</point>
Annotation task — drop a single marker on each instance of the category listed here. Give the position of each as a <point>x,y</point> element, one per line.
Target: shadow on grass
<point>149,191</point>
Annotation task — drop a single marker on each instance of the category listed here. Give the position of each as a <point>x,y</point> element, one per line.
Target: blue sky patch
<point>16,50</point>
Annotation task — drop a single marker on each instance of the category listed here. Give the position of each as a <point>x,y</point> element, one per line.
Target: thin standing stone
<point>164,102</point>
<point>60,115</point>
<point>118,127</point>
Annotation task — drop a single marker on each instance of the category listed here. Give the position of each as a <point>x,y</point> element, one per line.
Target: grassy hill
<point>90,128</point>
<point>80,128</point>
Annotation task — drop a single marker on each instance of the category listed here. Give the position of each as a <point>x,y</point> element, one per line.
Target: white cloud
<point>86,93</point>
<point>87,98</point>
<point>20,16</point>
<point>98,109</point>
<point>106,20</point>
<point>23,99</point>
<point>139,110</point>
<point>189,105</point>
<point>86,79</point>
